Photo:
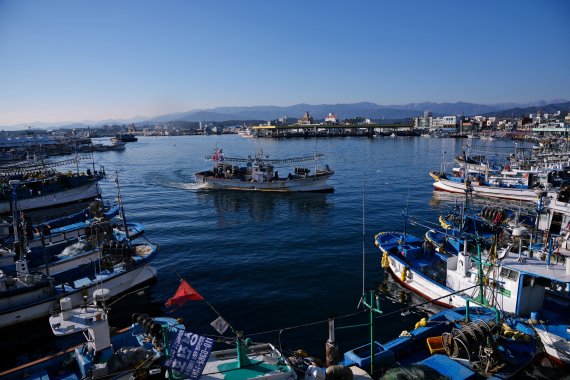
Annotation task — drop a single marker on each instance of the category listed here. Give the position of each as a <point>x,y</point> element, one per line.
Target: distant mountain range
<point>346,111</point>
<point>319,111</point>
<point>564,109</point>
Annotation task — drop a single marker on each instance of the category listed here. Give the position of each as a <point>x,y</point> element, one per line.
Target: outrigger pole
<point>122,209</point>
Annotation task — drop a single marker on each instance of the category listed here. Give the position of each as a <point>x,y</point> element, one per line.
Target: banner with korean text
<point>189,353</point>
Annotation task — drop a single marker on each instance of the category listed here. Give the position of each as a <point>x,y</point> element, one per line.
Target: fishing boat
<point>115,145</point>
<point>463,343</point>
<point>246,132</point>
<point>152,347</point>
<point>41,186</point>
<point>62,244</point>
<point>124,138</point>
<point>259,174</point>
<point>516,282</point>
<point>59,253</point>
<point>95,210</point>
<point>509,181</point>
<point>26,296</point>
<point>50,245</point>
<point>458,225</point>
<point>520,188</point>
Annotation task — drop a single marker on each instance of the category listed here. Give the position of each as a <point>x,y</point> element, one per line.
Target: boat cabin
<point>520,280</point>
<point>256,171</point>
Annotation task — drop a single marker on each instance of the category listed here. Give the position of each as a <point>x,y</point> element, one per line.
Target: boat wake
<point>171,183</point>
<point>178,180</point>
<point>189,186</point>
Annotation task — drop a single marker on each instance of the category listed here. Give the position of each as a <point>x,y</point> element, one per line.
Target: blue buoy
<point>534,315</point>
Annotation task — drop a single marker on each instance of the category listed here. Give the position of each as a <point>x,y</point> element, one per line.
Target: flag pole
<point>210,305</point>
<point>241,345</point>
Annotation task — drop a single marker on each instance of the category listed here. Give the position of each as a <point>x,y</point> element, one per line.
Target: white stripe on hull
<point>305,184</point>
<point>487,191</point>
<point>425,287</point>
<point>550,342</point>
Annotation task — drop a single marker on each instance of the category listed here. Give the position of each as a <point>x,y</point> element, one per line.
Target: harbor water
<point>275,266</point>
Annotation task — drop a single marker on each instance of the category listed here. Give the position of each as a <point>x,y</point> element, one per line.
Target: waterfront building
<point>444,122</point>
<point>469,127</point>
<point>551,127</point>
<point>423,122</point>
<point>307,119</point>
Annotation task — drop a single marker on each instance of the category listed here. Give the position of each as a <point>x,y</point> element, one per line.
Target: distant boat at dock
<point>124,137</point>
<point>115,145</point>
<point>246,133</point>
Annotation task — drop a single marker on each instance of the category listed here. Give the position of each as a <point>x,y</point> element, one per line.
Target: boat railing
<point>291,160</point>
<point>501,152</point>
<point>34,166</point>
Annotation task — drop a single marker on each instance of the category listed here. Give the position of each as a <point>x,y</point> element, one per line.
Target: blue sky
<point>73,60</point>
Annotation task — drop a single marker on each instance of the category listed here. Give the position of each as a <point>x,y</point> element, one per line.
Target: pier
<point>332,130</point>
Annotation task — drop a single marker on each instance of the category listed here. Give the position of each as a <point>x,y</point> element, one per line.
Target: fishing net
<point>413,372</point>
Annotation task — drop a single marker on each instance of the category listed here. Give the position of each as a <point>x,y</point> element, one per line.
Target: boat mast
<point>76,156</point>
<point>122,209</point>
<point>363,230</point>
<point>92,156</point>
<point>406,218</point>
<point>481,299</point>
<point>21,262</point>
<point>15,220</point>
<point>373,305</point>
<point>316,167</point>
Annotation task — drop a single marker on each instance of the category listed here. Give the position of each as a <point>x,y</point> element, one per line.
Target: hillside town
<point>16,145</point>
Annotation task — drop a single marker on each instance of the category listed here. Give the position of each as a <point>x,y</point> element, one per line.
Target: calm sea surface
<point>267,262</point>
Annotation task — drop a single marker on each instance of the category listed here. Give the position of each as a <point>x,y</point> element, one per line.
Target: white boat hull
<point>424,286</point>
<point>116,285</point>
<point>78,194</point>
<point>556,348</point>
<point>528,195</point>
<point>309,183</point>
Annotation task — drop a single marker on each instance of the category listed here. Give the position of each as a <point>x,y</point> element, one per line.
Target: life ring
<point>444,224</point>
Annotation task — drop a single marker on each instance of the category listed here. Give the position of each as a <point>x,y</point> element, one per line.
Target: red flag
<point>184,294</point>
